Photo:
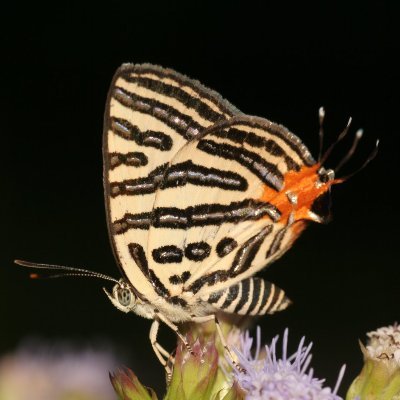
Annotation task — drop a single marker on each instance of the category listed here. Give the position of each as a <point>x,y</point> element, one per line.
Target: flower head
<point>380,377</point>
<point>384,344</point>
<point>270,376</point>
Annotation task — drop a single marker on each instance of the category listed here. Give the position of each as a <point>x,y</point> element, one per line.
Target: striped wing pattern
<point>185,180</point>
<point>150,115</point>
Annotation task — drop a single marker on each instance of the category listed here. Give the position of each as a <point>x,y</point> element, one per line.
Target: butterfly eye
<point>124,296</point>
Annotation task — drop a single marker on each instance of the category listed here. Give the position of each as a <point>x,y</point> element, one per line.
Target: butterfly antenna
<point>334,144</point>
<point>366,162</point>
<point>321,115</point>
<point>71,271</point>
<point>346,158</point>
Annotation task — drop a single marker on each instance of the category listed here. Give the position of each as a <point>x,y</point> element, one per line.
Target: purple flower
<point>270,376</point>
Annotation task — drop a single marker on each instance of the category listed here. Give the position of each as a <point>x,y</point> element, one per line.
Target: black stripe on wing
<point>182,81</point>
<point>267,172</point>
<point>240,129</point>
<point>190,101</point>
<point>248,251</point>
<point>276,243</point>
<point>179,175</point>
<point>124,129</point>
<point>181,123</point>
<point>139,257</point>
<point>131,159</point>
<point>240,136</point>
<point>200,215</point>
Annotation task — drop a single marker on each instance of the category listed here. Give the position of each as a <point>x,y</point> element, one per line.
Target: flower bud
<point>380,377</point>
<point>128,387</point>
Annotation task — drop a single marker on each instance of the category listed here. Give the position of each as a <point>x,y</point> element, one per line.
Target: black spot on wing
<point>226,246</point>
<point>178,280</point>
<point>197,251</point>
<point>167,254</point>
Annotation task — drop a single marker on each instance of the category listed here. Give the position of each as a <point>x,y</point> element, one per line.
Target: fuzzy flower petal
<point>271,376</point>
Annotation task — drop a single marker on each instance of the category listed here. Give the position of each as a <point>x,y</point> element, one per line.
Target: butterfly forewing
<point>151,113</point>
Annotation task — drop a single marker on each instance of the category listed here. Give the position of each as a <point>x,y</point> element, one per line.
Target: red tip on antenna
<point>34,276</point>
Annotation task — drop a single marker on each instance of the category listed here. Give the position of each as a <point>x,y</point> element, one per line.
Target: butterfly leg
<point>176,330</point>
<point>231,355</point>
<point>159,350</point>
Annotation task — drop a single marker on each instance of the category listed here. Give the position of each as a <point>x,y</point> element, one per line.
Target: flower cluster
<point>264,374</point>
<point>205,372</point>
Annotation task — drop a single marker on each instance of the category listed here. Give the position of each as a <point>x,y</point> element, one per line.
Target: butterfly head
<point>122,296</point>
<point>125,299</point>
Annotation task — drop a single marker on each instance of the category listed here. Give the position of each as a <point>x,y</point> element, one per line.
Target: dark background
<point>277,61</point>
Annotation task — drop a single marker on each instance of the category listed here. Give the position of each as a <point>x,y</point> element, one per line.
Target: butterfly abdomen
<point>252,296</point>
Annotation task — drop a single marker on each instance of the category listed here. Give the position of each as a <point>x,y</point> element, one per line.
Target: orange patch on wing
<point>300,183</point>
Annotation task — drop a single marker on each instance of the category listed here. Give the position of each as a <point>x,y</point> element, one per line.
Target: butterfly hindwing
<point>151,113</point>
<point>216,227</point>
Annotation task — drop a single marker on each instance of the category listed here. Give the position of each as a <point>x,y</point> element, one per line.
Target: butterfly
<point>199,198</point>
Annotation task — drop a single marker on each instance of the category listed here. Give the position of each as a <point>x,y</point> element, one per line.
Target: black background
<point>277,61</point>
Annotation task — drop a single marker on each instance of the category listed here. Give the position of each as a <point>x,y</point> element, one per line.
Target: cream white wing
<point>151,113</point>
